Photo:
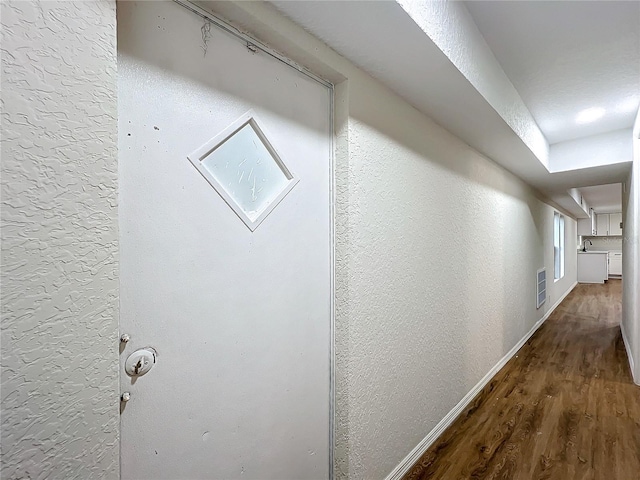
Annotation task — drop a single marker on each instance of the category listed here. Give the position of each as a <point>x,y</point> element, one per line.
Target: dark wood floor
<point>565,408</point>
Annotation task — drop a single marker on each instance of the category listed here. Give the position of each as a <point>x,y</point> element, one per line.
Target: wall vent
<point>541,281</point>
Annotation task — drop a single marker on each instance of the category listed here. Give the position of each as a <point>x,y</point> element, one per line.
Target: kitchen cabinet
<point>592,267</point>
<point>615,224</point>
<point>615,263</point>
<point>602,224</point>
<point>608,224</point>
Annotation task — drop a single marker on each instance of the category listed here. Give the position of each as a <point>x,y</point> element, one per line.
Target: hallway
<point>564,407</point>
<point>302,240</point>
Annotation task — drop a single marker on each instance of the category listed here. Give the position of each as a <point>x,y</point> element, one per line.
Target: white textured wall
<point>436,258</point>
<point>580,202</point>
<point>604,243</point>
<point>59,241</point>
<point>593,151</point>
<point>631,258</point>
<point>439,264</point>
<point>451,27</point>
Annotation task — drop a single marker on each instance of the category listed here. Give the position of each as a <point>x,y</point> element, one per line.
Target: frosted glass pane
<point>247,170</point>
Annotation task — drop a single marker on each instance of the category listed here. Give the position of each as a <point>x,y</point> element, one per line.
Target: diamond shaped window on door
<point>245,169</point>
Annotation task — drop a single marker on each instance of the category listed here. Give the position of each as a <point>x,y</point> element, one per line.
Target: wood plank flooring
<point>564,408</point>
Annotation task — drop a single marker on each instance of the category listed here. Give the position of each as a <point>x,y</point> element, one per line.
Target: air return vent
<point>541,280</point>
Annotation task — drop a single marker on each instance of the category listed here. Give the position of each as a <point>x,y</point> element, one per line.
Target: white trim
<point>249,40</point>
<point>410,460</point>
<point>627,346</point>
<point>332,288</point>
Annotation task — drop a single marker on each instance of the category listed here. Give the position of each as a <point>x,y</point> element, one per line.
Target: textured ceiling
<point>565,57</point>
<point>384,40</point>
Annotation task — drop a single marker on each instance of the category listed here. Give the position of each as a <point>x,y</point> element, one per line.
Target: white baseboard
<point>627,346</point>
<point>410,460</point>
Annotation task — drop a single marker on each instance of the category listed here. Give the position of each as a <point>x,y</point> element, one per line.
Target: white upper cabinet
<point>608,224</point>
<point>615,224</point>
<point>602,224</point>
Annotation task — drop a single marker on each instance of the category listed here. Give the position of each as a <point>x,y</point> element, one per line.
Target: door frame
<point>256,45</point>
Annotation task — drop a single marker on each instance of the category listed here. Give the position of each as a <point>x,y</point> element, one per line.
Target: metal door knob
<point>140,362</point>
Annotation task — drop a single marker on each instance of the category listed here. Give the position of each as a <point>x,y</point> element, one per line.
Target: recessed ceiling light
<point>590,115</point>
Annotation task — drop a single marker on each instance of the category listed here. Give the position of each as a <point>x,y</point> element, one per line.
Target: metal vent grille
<point>541,291</point>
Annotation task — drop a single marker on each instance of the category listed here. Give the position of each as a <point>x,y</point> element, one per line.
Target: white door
<point>232,293</point>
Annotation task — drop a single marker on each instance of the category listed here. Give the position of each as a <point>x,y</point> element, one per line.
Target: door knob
<point>140,362</point>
